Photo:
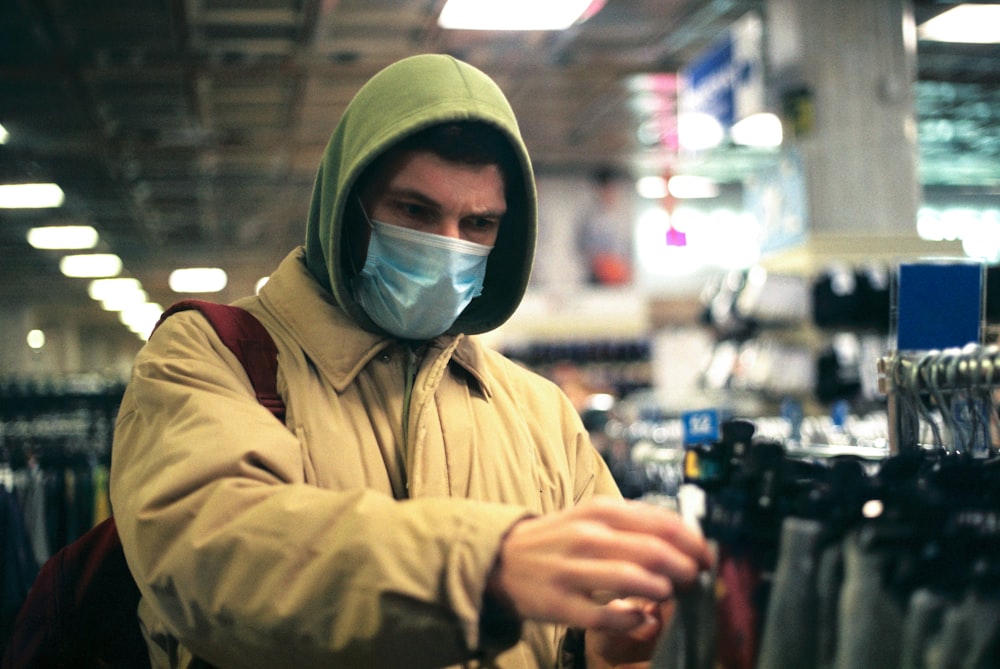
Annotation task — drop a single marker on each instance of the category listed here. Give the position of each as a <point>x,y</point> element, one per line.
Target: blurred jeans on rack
<point>789,640</point>
<point>689,642</point>
<point>869,629</point>
<point>921,629</point>
<point>970,634</point>
<point>17,563</point>
<point>829,581</point>
<point>29,486</point>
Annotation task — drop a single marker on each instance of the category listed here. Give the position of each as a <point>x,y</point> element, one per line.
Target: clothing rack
<point>836,563</point>
<point>55,448</point>
<point>942,399</point>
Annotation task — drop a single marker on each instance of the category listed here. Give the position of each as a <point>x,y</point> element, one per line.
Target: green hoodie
<point>402,99</point>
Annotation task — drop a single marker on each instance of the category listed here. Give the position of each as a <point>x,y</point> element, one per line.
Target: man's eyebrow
<point>492,213</point>
<point>426,200</point>
<point>413,194</point>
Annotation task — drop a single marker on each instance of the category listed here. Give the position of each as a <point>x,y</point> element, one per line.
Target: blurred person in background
<point>604,233</point>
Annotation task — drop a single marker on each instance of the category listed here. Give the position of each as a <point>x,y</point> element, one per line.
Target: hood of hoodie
<point>402,99</point>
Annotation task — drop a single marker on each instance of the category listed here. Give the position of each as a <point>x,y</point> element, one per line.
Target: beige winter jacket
<point>358,534</point>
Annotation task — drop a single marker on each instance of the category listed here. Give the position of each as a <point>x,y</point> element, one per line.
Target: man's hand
<point>632,648</point>
<point>602,566</point>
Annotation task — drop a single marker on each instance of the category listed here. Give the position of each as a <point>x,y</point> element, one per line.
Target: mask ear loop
<point>364,212</point>
<point>350,233</point>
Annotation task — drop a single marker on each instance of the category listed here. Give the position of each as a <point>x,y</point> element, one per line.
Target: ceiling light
<point>516,14</point>
<point>30,196</point>
<point>3,134</point>
<point>687,187</point>
<point>91,265</point>
<point>697,131</point>
<point>124,300</point>
<point>142,318</point>
<point>759,130</point>
<point>651,188</point>
<point>62,237</point>
<point>36,339</point>
<point>103,289</point>
<point>970,23</point>
<point>198,280</point>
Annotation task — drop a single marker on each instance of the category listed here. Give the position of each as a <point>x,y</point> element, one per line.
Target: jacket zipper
<point>410,369</point>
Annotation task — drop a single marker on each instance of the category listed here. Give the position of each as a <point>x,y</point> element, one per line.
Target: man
<point>428,503</point>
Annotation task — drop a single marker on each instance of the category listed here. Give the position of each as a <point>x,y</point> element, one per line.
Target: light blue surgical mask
<point>415,284</point>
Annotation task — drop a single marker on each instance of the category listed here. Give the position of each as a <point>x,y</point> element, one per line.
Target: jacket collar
<point>338,347</point>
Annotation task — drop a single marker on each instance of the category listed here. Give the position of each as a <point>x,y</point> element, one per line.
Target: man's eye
<point>485,223</point>
<point>414,210</point>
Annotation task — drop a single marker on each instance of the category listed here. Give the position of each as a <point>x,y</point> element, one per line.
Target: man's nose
<point>450,227</point>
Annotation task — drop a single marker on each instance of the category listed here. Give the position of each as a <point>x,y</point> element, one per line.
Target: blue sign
<point>701,427</point>
<point>939,305</point>
<point>707,84</point>
<point>727,81</point>
<point>776,196</point>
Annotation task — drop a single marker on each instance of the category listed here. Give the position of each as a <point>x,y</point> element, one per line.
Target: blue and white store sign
<point>727,81</point>
<point>776,196</point>
<point>703,426</point>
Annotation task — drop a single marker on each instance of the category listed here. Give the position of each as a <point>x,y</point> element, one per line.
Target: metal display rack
<point>942,399</point>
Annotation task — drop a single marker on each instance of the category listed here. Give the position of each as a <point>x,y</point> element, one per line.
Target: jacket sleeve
<point>247,565</point>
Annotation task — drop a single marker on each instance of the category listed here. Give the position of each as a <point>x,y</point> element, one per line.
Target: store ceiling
<point>188,131</point>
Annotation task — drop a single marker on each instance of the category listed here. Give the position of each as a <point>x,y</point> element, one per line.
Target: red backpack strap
<point>249,341</point>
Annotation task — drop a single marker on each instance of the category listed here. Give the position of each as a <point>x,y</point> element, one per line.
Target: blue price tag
<point>701,427</point>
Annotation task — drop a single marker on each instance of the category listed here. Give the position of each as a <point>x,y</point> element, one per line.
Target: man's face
<point>422,191</point>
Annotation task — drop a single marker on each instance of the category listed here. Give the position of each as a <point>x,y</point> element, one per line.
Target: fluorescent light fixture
<point>103,289</point>
<point>198,280</point>
<point>141,318</point>
<point>124,300</point>
<point>30,196</point>
<point>759,130</point>
<point>969,23</point>
<point>3,134</point>
<point>651,188</point>
<point>91,265</point>
<point>516,14</point>
<point>261,282</point>
<point>63,237</point>
<point>687,187</point>
<point>697,131</point>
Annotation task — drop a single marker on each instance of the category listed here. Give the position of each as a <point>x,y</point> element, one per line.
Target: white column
<point>856,60</point>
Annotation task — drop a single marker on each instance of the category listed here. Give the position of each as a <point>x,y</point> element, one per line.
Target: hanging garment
<point>18,569</point>
<point>740,593</point>
<point>29,487</point>
<point>921,629</point>
<point>790,632</point>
